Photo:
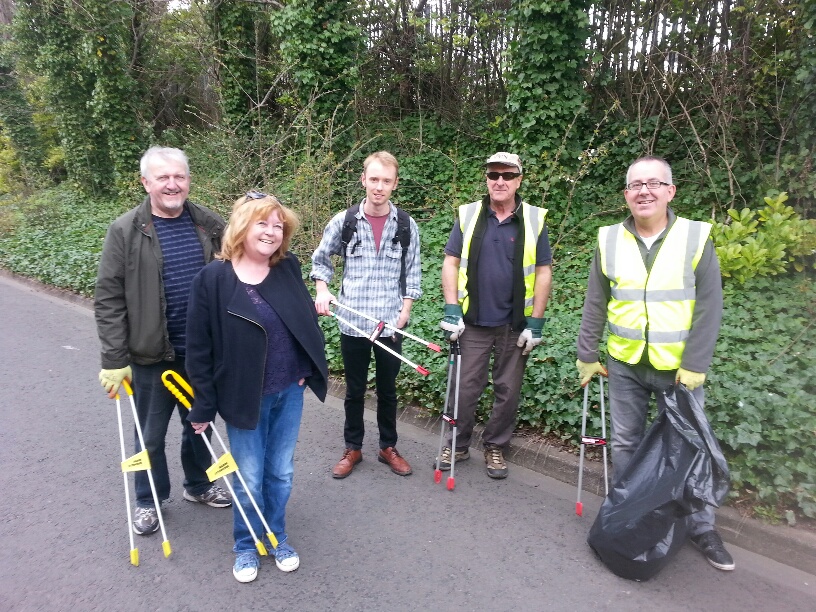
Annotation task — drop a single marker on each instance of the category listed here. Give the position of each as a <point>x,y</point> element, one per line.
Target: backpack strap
<point>349,227</point>
<point>403,236</point>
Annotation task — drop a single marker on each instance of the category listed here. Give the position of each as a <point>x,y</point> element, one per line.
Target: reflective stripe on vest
<point>534,220</point>
<point>653,307</point>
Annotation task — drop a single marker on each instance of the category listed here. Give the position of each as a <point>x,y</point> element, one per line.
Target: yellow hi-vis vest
<point>534,221</point>
<point>651,307</point>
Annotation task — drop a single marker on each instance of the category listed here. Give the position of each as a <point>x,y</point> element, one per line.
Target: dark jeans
<point>155,405</point>
<point>356,357</point>
<point>478,344</point>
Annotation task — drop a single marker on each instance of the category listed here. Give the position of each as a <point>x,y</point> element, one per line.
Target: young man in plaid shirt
<point>373,284</point>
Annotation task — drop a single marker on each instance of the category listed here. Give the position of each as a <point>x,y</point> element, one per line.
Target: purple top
<point>286,361</point>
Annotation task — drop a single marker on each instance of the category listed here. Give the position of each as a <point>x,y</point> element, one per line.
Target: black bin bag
<point>677,470</point>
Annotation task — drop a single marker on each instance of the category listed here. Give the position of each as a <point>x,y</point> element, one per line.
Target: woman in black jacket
<point>253,343</point>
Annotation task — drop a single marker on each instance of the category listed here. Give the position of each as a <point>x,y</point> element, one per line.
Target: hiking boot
<point>394,460</point>
<point>494,458</point>
<point>286,558</point>
<point>146,521</point>
<point>445,458</point>
<point>350,458</point>
<point>214,496</point>
<point>711,545</point>
<point>246,566</point>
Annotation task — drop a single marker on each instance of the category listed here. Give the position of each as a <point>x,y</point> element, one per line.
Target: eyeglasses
<point>256,195</point>
<point>507,176</point>
<point>652,185</point>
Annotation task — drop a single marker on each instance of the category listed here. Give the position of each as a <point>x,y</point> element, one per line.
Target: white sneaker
<point>286,558</point>
<point>246,567</point>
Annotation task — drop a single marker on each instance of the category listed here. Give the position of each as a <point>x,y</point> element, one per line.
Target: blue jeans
<point>630,389</point>
<point>155,405</point>
<point>266,457</point>
<point>356,353</point>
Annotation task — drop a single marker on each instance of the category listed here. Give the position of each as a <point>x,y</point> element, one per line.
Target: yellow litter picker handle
<point>173,387</point>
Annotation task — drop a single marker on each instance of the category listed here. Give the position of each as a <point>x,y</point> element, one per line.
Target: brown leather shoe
<point>394,460</point>
<point>344,467</point>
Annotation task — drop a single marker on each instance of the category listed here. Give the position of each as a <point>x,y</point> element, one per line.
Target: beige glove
<point>111,379</point>
<point>692,380</point>
<point>587,370</point>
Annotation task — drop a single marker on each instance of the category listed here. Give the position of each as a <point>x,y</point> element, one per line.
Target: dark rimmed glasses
<point>651,185</point>
<point>507,176</point>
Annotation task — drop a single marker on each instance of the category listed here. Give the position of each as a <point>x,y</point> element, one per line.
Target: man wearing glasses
<point>149,258</point>
<point>655,283</point>
<point>496,279</point>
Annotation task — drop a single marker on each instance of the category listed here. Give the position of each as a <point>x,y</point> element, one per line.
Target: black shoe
<point>711,545</point>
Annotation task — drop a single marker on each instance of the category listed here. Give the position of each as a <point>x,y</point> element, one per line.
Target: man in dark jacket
<point>150,256</point>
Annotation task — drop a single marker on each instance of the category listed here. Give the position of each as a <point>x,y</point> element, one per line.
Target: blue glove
<point>453,324</point>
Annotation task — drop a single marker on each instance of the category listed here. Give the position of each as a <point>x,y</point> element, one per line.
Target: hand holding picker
<point>221,466</point>
<point>383,325</point>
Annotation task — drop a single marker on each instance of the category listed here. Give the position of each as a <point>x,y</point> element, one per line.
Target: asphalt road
<point>374,541</point>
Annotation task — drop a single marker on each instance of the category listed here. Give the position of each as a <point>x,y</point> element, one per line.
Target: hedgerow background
<point>290,97</point>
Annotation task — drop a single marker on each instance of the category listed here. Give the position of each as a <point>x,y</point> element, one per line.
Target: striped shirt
<point>371,278</point>
<point>183,257</point>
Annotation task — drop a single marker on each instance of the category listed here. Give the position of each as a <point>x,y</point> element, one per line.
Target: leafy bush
<point>761,391</point>
<point>57,237</point>
<point>764,243</point>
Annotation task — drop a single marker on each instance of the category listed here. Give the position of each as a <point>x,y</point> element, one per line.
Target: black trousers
<point>356,359</point>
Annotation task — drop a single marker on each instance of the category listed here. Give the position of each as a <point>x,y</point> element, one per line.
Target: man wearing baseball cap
<point>496,280</point>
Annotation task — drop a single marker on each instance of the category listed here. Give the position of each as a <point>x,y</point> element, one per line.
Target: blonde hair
<point>384,157</point>
<point>246,211</point>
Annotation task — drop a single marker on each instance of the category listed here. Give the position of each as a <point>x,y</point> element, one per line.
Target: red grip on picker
<point>422,370</point>
<point>377,331</point>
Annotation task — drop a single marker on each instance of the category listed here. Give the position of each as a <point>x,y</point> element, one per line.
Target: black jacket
<point>226,344</point>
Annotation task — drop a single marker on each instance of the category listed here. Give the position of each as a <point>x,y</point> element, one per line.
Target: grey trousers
<point>630,388</point>
<point>477,344</point>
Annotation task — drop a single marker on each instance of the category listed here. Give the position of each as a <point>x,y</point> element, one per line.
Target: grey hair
<point>646,158</point>
<point>166,154</point>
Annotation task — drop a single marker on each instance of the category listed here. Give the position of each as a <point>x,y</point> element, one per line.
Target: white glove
<point>527,340</point>
<point>452,323</point>
<point>453,329</point>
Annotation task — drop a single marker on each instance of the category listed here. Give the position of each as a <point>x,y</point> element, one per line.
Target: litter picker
<point>382,325</point>
<point>373,338</point>
<point>591,441</point>
<point>134,552</point>
<point>139,461</point>
<point>454,358</point>
<point>222,466</point>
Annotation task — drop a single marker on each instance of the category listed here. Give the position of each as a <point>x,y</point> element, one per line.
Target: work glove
<point>531,336</point>
<point>692,380</point>
<point>452,323</point>
<point>587,370</point>
<point>111,379</point>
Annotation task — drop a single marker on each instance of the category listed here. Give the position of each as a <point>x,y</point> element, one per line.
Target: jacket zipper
<point>266,344</point>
